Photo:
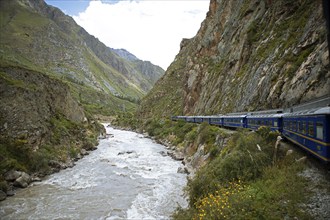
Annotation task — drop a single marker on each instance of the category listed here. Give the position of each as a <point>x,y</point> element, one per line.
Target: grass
<point>242,182</point>
<point>38,43</point>
<point>64,141</point>
<point>239,181</point>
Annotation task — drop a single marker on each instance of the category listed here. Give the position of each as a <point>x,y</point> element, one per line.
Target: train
<point>307,128</point>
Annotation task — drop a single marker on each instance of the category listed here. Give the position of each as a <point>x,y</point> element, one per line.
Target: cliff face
<point>42,127</point>
<point>251,55</point>
<point>28,103</point>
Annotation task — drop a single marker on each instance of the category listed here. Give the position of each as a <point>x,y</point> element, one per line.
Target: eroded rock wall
<point>248,55</point>
<point>28,102</point>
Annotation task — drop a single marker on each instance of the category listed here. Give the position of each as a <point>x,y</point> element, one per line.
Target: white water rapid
<point>125,178</point>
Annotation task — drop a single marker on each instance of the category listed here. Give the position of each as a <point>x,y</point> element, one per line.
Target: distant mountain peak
<point>125,54</point>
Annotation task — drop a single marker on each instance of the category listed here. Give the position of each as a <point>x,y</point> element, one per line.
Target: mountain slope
<point>41,37</point>
<point>249,55</point>
<point>53,77</point>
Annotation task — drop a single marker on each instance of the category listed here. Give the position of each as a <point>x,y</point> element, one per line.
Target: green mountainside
<point>247,55</point>
<point>54,77</point>
<point>40,37</point>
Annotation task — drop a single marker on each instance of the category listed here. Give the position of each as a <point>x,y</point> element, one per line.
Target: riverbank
<point>284,183</point>
<point>126,177</point>
<point>48,159</point>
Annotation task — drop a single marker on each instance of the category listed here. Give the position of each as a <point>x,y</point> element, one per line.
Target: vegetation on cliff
<point>41,124</point>
<point>238,176</point>
<point>42,38</point>
<point>247,56</point>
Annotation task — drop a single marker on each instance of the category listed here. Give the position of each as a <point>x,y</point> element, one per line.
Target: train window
<point>311,128</point>
<point>275,124</point>
<point>319,130</point>
<point>304,128</point>
<point>295,126</point>
<point>301,127</point>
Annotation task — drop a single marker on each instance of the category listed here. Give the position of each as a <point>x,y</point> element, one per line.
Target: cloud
<point>151,30</point>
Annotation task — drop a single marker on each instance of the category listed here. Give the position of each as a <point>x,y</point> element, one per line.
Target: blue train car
<point>216,120</point>
<point>207,119</point>
<point>234,121</point>
<point>273,121</point>
<point>310,129</point>
<point>198,119</point>
<point>190,119</point>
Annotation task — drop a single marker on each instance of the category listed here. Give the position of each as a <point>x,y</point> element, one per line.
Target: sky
<point>150,29</point>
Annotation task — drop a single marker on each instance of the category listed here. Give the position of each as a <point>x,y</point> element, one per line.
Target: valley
<point>58,84</point>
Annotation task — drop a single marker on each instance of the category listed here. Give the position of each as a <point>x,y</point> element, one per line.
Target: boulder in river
<point>126,152</point>
<point>163,153</point>
<point>3,195</point>
<point>10,193</point>
<point>12,175</point>
<point>23,181</point>
<point>84,152</point>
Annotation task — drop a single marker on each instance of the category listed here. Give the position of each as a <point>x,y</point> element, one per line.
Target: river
<point>125,178</point>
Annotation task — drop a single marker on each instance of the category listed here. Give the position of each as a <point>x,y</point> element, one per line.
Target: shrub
<point>217,190</point>
<point>241,159</point>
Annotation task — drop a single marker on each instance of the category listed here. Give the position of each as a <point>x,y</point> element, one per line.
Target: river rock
<point>84,152</point>
<point>126,152</point>
<point>183,170</point>
<point>163,153</point>
<point>12,175</point>
<point>176,155</point>
<point>35,179</point>
<point>10,193</point>
<point>69,164</point>
<point>78,157</point>
<point>3,195</point>
<point>54,164</point>
<point>23,181</point>
<point>102,136</point>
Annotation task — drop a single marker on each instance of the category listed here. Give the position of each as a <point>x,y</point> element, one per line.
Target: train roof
<point>233,116</point>
<point>278,115</point>
<point>315,111</point>
<point>267,112</point>
<point>211,116</point>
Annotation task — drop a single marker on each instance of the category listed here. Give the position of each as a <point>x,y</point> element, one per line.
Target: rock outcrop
<point>247,55</point>
<point>42,128</point>
<point>28,102</point>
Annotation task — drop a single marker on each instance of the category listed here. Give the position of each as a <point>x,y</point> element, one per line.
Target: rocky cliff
<point>41,124</point>
<point>247,55</point>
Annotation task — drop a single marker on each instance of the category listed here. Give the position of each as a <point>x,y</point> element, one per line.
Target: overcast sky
<point>150,29</point>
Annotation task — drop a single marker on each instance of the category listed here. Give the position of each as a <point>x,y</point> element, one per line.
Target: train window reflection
<point>295,126</point>
<point>319,130</point>
<point>300,126</point>
<point>303,128</point>
<point>311,129</point>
